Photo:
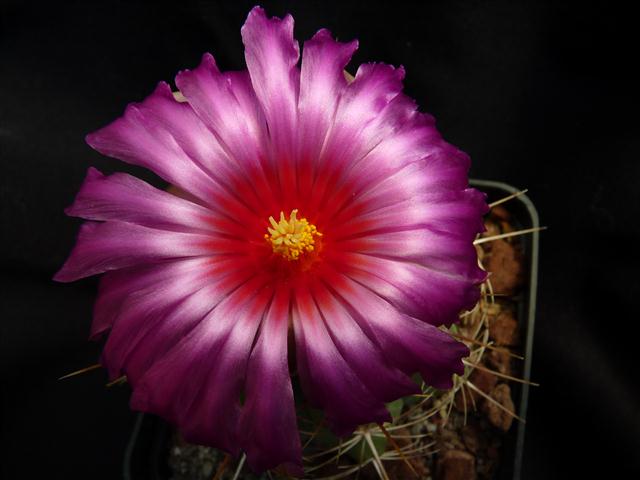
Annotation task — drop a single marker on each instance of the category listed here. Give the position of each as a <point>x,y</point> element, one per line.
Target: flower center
<point>291,238</point>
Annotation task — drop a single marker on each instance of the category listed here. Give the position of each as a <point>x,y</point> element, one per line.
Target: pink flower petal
<point>197,385</point>
<point>458,211</point>
<point>441,251</point>
<point>113,245</point>
<point>153,318</point>
<point>369,110</point>
<point>408,343</point>
<point>367,113</point>
<point>116,287</point>
<point>378,186</point>
<point>268,422</point>
<point>385,382</point>
<point>328,380</point>
<point>437,297</point>
<point>128,199</point>
<point>227,104</point>
<point>272,55</point>
<point>409,162</point>
<point>322,83</point>
<point>166,137</point>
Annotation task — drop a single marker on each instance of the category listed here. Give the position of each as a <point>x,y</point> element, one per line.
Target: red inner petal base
<point>313,205</point>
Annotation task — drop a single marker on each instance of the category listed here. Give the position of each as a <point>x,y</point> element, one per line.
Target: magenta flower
<point>324,210</point>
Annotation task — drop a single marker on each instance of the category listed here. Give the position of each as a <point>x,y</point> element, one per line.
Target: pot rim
<point>532,247</point>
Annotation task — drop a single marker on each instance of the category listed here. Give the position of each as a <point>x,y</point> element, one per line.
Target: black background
<point>540,94</point>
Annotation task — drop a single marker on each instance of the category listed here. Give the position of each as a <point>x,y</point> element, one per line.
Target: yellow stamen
<point>291,238</point>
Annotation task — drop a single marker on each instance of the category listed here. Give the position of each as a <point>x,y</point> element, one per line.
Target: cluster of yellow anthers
<point>290,238</point>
